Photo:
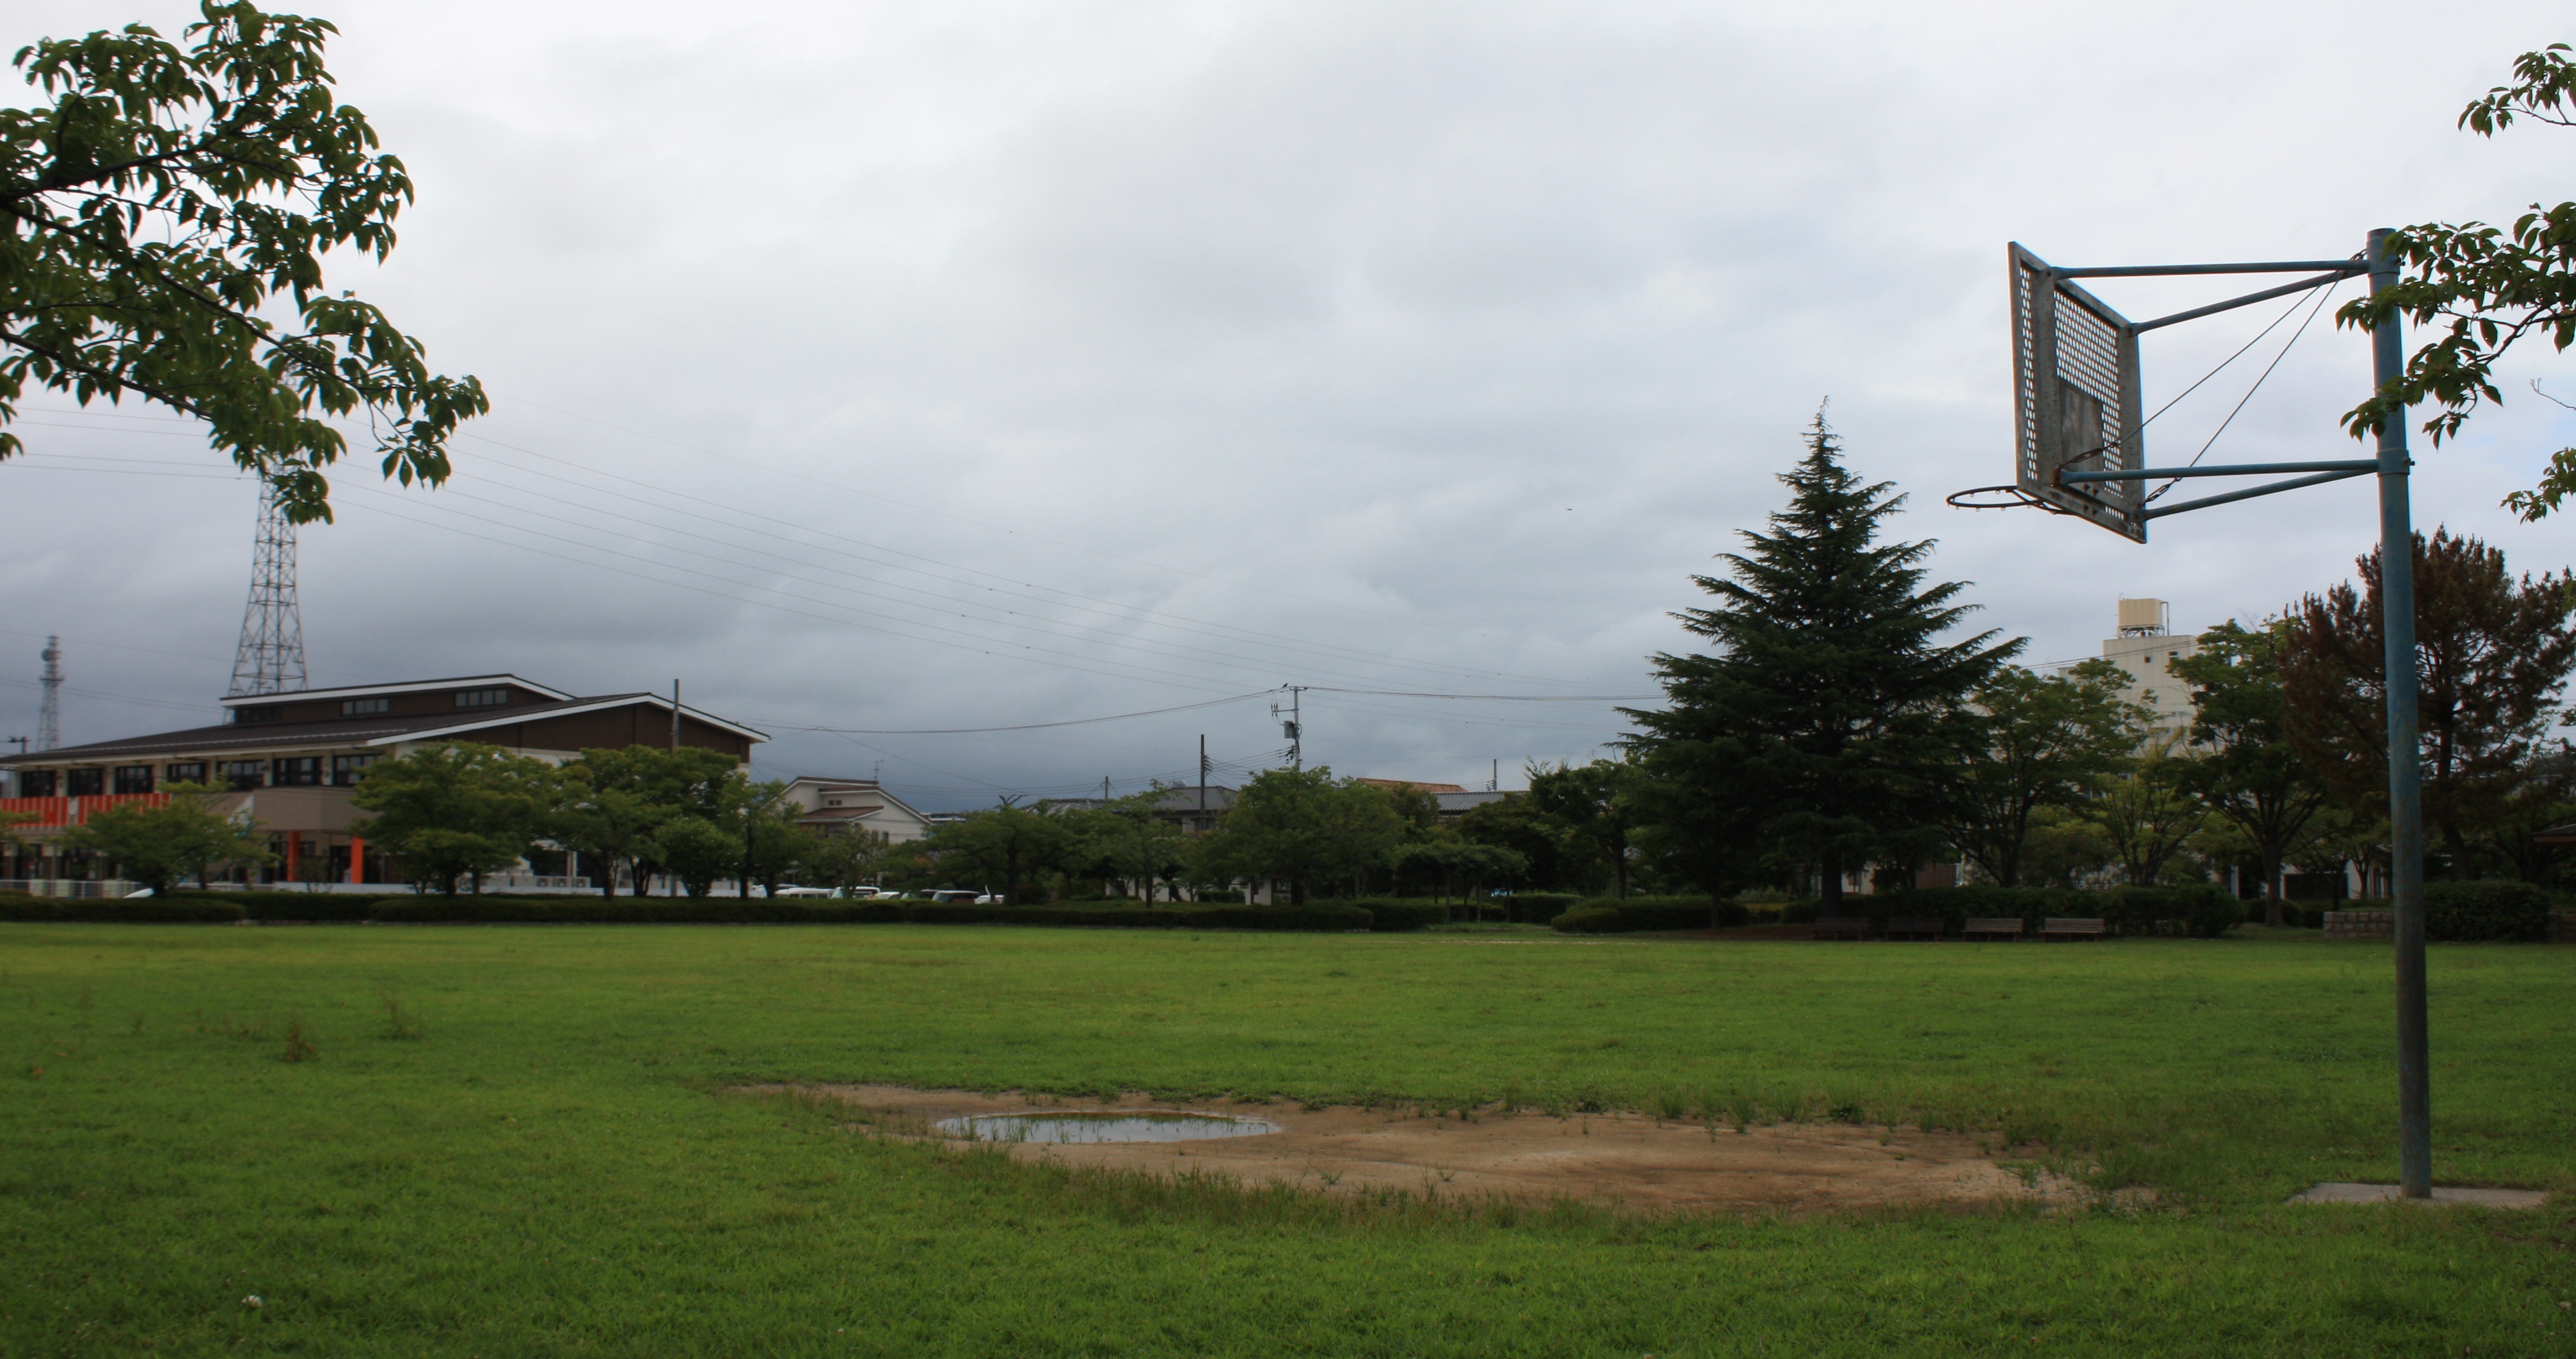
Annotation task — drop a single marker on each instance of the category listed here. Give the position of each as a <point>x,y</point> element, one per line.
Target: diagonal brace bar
<point>2291,485</point>
<point>2243,469</point>
<point>2247,300</point>
<point>2339,267</point>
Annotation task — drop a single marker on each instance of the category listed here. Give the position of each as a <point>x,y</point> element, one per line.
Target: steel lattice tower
<point>271,657</point>
<point>49,716</point>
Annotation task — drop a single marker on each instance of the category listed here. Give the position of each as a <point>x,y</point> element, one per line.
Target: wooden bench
<point>1914,927</point>
<point>1992,927</point>
<point>2056,927</point>
<point>1842,927</point>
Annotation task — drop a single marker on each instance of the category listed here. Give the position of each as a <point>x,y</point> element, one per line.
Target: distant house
<point>1453,800</point>
<point>1193,808</point>
<point>845,805</point>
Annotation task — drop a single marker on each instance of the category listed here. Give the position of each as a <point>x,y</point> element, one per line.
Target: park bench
<point>1914,927</point>
<point>2057,927</point>
<point>1992,927</point>
<point>1842,927</point>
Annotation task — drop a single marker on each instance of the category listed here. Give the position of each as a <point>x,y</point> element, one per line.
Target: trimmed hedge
<point>1610,915</point>
<point>341,906</point>
<point>1387,916</point>
<point>2204,910</point>
<point>825,910</point>
<point>120,910</point>
<point>2477,912</point>
<point>1538,908</point>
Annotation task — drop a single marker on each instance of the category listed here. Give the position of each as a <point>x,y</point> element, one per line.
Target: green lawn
<point>553,1166</point>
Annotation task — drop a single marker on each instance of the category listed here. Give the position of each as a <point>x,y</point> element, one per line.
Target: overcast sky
<point>971,364</point>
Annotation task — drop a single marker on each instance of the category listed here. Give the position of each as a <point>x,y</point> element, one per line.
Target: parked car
<point>959,898</point>
<point>990,899</point>
<point>804,892</point>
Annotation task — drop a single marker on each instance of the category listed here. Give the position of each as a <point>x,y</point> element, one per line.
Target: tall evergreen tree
<point>1817,728</point>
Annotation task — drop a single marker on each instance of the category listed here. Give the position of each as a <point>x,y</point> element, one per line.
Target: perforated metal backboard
<point>2075,397</point>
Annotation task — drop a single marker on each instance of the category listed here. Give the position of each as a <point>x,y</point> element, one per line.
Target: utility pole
<point>675,716</point>
<point>49,713</point>
<point>1203,773</point>
<point>1293,726</point>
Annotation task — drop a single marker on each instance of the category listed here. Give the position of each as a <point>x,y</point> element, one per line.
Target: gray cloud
<point>970,364</point>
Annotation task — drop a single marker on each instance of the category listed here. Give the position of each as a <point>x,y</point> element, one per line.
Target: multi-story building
<point>290,761</point>
<point>2145,647</point>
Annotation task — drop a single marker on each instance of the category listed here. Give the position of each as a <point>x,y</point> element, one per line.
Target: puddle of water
<point>1148,1126</point>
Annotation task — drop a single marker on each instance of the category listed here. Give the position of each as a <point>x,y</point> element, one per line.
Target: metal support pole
<point>2405,755</point>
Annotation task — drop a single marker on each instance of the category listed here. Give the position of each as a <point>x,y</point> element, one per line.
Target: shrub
<point>820,911</point>
<point>1538,908</point>
<point>120,910</point>
<point>2468,912</point>
<point>1389,916</point>
<point>284,905</point>
<point>1610,915</point>
<point>2205,910</point>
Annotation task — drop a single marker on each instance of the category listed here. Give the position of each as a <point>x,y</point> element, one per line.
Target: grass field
<point>519,1141</point>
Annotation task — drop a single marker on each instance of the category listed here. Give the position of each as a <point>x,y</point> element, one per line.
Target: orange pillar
<point>357,859</point>
<point>294,852</point>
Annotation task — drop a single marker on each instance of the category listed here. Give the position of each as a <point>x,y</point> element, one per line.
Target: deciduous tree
<point>2039,742</point>
<point>2493,655</point>
<point>158,846</point>
<point>1301,826</point>
<point>1009,845</point>
<point>456,810</point>
<point>2248,775</point>
<point>162,208</point>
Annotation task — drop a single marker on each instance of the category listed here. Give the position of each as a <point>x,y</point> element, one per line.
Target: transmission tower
<point>271,657</point>
<point>49,716</point>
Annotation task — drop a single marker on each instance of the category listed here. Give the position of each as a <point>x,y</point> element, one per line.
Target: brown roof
<point>338,731</point>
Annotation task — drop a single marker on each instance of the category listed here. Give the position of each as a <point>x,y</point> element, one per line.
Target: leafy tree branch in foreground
<point>165,209</point>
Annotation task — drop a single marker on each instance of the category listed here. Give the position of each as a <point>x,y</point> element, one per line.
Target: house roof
<point>382,690</point>
<point>360,731</point>
<point>842,813</point>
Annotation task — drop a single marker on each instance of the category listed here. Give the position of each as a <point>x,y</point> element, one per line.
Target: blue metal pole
<point>2405,755</point>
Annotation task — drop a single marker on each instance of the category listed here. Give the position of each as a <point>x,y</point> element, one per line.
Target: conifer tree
<point>1817,729</point>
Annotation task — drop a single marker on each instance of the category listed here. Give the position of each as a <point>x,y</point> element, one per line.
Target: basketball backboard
<point>2075,398</point>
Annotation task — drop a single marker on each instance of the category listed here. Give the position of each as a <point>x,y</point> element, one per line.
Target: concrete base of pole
<point>2443,1196</point>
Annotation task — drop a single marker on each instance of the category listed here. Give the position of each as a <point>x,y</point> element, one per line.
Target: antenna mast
<point>270,659</point>
<point>49,717</point>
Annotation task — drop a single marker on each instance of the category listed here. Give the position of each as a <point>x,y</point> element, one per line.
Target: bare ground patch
<point>1621,1160</point>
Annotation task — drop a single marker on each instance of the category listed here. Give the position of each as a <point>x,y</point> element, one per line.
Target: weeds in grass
<point>299,1048</point>
<point>401,1024</point>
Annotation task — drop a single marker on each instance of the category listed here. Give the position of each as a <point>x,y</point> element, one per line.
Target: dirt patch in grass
<point>1624,1160</point>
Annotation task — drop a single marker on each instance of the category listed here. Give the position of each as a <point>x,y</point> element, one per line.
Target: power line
<point>1025,726</point>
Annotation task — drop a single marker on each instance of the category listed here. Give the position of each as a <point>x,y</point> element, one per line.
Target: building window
<point>133,778</point>
<point>481,698</point>
<point>346,770</point>
<point>295,771</point>
<point>36,783</point>
<point>85,782</point>
<point>264,714</point>
<point>194,771</point>
<point>365,707</point>
<point>242,775</point>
